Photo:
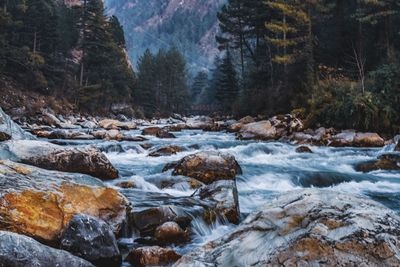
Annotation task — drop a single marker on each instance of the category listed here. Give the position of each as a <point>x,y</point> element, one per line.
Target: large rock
<point>10,130</point>
<point>397,147</point>
<point>152,256</point>
<point>224,193</point>
<point>262,130</point>
<point>199,123</point>
<point>390,162</point>
<point>171,233</point>
<point>40,203</point>
<point>166,151</point>
<point>308,228</point>
<point>22,251</point>
<point>207,167</point>
<point>92,240</point>
<point>353,139</point>
<point>158,132</point>
<point>87,160</point>
<point>114,124</point>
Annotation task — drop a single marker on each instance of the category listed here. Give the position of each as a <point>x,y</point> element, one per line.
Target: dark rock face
<point>152,256</point>
<point>308,228</point>
<point>389,162</point>
<point>158,132</point>
<point>166,151</point>
<point>225,194</point>
<point>207,167</point>
<point>22,251</point>
<point>303,149</point>
<point>92,240</point>
<point>397,148</point>
<point>88,160</point>
<point>10,130</point>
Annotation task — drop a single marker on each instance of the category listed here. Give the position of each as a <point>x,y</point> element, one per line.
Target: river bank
<point>183,182</point>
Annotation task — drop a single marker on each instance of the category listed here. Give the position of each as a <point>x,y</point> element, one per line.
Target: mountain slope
<point>191,25</point>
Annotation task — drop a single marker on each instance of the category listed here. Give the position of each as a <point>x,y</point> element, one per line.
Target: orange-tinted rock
<point>207,167</point>
<point>158,132</point>
<point>170,233</point>
<point>40,203</point>
<point>166,151</point>
<point>152,256</point>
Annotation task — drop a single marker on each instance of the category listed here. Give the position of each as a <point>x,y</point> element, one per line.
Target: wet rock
<point>309,227</point>
<point>87,160</point>
<point>390,162</point>
<point>126,184</point>
<point>171,233</point>
<point>368,140</point>
<point>10,130</point>
<point>146,146</point>
<point>351,138</point>
<point>176,127</point>
<point>397,147</point>
<point>303,149</point>
<point>317,137</point>
<point>207,167</point>
<point>225,194</point>
<point>152,256</point>
<point>199,122</point>
<point>133,138</point>
<point>22,251</point>
<point>262,130</point>
<point>89,125</point>
<point>50,119</point>
<point>246,120</point>
<point>178,182</point>
<point>235,127</point>
<point>166,151</point>
<point>92,240</point>
<point>114,124</point>
<point>158,132</point>
<point>40,203</point>
<point>63,134</point>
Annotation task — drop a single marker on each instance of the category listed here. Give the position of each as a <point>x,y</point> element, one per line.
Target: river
<point>269,168</point>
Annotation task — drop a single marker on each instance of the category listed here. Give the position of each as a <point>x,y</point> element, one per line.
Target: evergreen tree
<point>227,88</point>
<point>199,86</point>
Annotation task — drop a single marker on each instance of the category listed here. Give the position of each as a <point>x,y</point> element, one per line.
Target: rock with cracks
<point>308,228</point>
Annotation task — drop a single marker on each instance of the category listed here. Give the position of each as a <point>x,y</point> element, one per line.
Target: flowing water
<point>269,168</point>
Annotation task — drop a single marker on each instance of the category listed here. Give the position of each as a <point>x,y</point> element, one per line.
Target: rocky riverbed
<point>86,191</point>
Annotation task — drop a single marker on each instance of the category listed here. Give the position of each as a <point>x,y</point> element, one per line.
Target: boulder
<point>63,134</point>
<point>92,240</point>
<point>224,193</point>
<point>152,256</point>
<point>262,130</point>
<point>390,162</point>
<point>303,149</point>
<point>22,251</point>
<point>247,120</point>
<point>397,147</point>
<point>87,160</point>
<point>352,139</point>
<point>207,167</point>
<point>368,140</point>
<point>114,124</point>
<point>166,151</point>
<point>158,132</point>
<point>317,137</point>
<point>177,182</point>
<point>199,122</point>
<point>89,125</point>
<point>10,130</point>
<point>308,228</point>
<point>40,203</point>
<point>235,127</point>
<point>170,233</point>
<point>50,119</point>
<point>126,184</point>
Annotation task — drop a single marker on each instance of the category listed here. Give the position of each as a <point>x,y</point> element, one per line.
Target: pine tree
<point>227,88</point>
<point>145,94</point>
<point>199,86</point>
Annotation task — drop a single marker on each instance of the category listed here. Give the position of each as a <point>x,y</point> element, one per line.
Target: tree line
<point>333,62</point>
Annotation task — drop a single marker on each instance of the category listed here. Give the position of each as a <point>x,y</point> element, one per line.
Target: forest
<point>331,62</point>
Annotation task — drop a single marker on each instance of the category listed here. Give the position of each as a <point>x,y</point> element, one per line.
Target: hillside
<point>191,25</point>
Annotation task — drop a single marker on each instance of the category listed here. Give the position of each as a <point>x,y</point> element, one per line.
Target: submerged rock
<point>87,160</point>
<point>40,203</point>
<point>152,256</point>
<point>10,130</point>
<point>158,132</point>
<point>207,167</point>
<point>166,151</point>
<point>92,240</point>
<point>308,227</point>
<point>225,194</point>
<point>22,251</point>
<point>303,149</point>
